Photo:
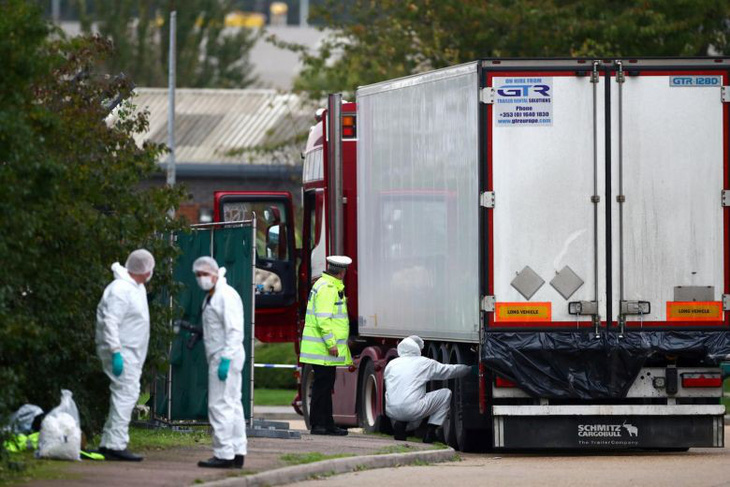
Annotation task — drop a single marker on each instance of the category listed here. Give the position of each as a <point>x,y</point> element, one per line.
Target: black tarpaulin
<point>577,365</point>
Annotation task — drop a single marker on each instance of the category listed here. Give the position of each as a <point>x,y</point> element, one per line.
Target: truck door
<point>275,274</point>
<point>545,218</point>
<point>553,260</point>
<point>670,217</point>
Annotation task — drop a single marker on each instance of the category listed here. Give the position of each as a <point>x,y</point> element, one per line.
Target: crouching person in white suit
<point>406,399</point>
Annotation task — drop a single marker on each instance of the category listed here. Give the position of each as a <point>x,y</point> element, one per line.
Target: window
<point>271,238</point>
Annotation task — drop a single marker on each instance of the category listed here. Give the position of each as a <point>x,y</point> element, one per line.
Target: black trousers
<point>320,411</point>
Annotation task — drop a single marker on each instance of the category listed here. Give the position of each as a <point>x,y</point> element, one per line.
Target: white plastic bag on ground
<point>60,436</point>
<point>21,421</point>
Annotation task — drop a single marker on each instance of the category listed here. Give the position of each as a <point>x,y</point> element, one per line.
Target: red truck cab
<point>285,274</point>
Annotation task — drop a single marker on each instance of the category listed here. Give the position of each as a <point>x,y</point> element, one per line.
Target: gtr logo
<point>524,90</point>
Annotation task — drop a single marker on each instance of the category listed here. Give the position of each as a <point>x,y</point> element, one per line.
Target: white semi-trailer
<point>565,224</point>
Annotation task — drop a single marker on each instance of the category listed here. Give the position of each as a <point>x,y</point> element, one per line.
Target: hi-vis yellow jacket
<point>326,324</point>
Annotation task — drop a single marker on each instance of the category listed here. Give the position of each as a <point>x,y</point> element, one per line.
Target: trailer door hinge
<point>620,78</point>
<point>725,93</point>
<point>488,304</point>
<point>725,198</point>
<point>486,199</point>
<point>487,95</point>
<point>726,303</point>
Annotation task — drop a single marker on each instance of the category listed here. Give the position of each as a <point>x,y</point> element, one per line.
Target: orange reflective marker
<point>523,312</point>
<point>694,310</point>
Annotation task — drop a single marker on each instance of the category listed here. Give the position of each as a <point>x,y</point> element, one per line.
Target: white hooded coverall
<point>405,386</point>
<point>122,325</point>
<point>223,338</point>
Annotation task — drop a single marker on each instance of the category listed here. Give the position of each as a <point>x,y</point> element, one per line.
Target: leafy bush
<point>70,206</point>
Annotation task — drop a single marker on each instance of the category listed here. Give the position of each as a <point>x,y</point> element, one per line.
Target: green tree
<point>70,205</point>
<point>376,40</point>
<point>209,54</point>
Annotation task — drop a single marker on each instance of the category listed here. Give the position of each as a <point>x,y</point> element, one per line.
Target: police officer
<point>324,342</point>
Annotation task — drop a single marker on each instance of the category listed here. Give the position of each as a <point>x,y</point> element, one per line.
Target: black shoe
<point>335,431</point>
<point>215,462</point>
<point>331,431</point>
<point>399,431</point>
<point>318,430</point>
<point>430,435</point>
<point>120,455</point>
<point>238,461</point>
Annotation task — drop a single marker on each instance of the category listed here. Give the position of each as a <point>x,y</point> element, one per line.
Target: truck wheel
<point>368,414</point>
<point>466,440</point>
<point>448,427</point>
<point>464,391</point>
<point>306,389</point>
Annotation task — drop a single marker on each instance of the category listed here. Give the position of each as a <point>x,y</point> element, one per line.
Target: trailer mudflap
<point>608,427</point>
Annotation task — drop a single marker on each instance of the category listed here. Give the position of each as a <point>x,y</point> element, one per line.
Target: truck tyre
<point>368,414</point>
<point>306,389</point>
<point>467,439</point>
<point>448,427</point>
<point>463,391</point>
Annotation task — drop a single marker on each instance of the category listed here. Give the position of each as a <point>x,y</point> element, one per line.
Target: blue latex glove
<point>475,370</point>
<point>117,364</point>
<point>223,368</point>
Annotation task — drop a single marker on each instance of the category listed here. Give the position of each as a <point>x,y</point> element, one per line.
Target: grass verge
<point>311,457</point>
<point>395,449</point>
<point>302,458</point>
<point>230,475</point>
<point>408,447</point>
<point>159,439</point>
<point>273,397</point>
<point>23,467</point>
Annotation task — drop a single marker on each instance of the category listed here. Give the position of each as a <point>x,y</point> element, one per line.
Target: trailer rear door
<point>671,145</point>
<point>555,253</point>
<point>545,165</point>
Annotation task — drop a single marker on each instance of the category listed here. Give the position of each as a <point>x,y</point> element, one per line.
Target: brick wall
<point>191,212</point>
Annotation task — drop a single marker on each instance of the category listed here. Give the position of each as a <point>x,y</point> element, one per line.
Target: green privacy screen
<point>186,383</point>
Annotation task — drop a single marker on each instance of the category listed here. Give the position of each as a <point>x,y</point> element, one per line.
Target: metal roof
<point>210,124</point>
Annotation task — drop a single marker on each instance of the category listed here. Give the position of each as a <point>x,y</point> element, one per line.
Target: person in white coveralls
<point>406,399</point>
<point>223,339</point>
<point>122,337</point>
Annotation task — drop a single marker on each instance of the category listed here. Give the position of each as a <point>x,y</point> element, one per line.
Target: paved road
<point>697,467</point>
